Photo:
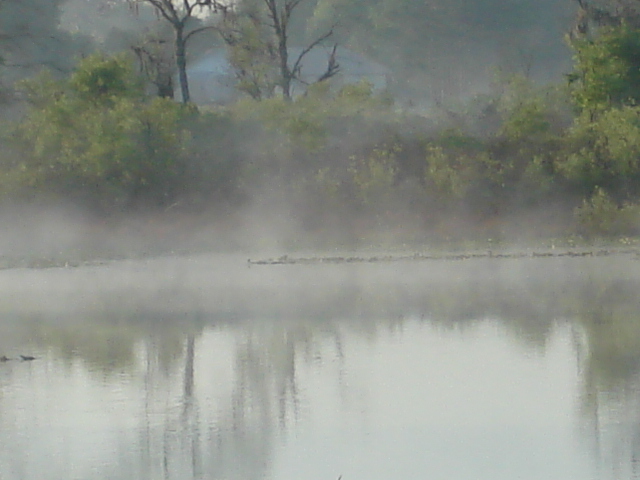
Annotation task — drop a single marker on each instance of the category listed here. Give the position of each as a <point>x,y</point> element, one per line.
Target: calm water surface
<point>205,368</point>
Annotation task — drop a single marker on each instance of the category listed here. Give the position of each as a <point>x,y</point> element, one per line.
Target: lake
<point>206,367</point>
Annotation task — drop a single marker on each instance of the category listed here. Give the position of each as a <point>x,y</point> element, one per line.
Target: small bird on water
<point>26,358</point>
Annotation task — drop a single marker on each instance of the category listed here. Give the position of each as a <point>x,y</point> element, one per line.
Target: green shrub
<point>601,216</point>
<point>97,136</point>
<point>605,151</point>
<point>374,175</point>
<point>606,70</point>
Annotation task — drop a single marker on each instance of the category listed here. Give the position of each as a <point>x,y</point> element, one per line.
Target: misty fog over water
<point>390,267</point>
<point>208,367</point>
<point>380,264</point>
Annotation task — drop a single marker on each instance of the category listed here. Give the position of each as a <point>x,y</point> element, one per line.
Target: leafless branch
<point>198,30</point>
<point>289,7</point>
<point>298,63</point>
<point>333,67</point>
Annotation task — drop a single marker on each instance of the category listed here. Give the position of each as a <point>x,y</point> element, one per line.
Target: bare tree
<point>280,18</point>
<point>182,16</point>
<point>270,25</point>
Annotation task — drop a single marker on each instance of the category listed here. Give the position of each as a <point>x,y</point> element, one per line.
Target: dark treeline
<point>439,151</point>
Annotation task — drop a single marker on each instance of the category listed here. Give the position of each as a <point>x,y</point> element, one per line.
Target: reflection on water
<point>206,368</point>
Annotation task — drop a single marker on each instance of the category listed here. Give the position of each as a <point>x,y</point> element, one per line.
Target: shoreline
<point>287,260</point>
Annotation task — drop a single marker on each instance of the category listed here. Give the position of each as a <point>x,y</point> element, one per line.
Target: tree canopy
<point>607,69</point>
<point>97,134</point>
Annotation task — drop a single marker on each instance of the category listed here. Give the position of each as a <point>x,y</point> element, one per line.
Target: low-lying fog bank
<point>63,236</point>
<point>219,286</point>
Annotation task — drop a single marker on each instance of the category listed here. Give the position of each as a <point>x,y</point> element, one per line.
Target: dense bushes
<point>604,151</point>
<point>98,137</point>
<point>600,215</point>
<point>606,70</point>
<point>350,153</point>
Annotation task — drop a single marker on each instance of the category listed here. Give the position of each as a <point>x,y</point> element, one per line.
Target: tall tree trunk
<point>181,62</point>
<point>285,73</point>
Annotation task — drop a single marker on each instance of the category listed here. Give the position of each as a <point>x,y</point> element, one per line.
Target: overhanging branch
<point>295,70</point>
<point>198,30</point>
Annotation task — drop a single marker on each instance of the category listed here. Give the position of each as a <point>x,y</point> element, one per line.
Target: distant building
<point>212,79</point>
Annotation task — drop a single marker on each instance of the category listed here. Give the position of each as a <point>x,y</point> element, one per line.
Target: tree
<point>604,141</point>
<point>604,153</point>
<point>98,136</point>
<point>114,29</point>
<point>607,69</point>
<point>182,15</point>
<point>258,34</point>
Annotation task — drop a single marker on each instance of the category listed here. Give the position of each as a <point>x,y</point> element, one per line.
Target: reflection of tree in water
<point>608,315</point>
<point>184,434</point>
<point>181,440</point>
<point>236,441</point>
<point>268,356</point>
<point>181,434</point>
<point>263,402</point>
<point>602,306</point>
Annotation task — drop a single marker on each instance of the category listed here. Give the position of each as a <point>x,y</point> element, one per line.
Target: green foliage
<point>291,125</point>
<point>104,79</point>
<point>600,215</point>
<point>503,157</point>
<point>445,172</point>
<point>96,135</point>
<point>539,177</point>
<point>357,95</point>
<point>306,122</point>
<point>607,70</point>
<point>464,176</point>
<point>605,151</point>
<point>454,162</point>
<point>527,121</point>
<point>529,113</point>
<point>530,138</point>
<point>374,175</point>
<point>597,215</point>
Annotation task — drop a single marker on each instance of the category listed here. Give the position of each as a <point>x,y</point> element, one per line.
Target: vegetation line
<point>286,260</point>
